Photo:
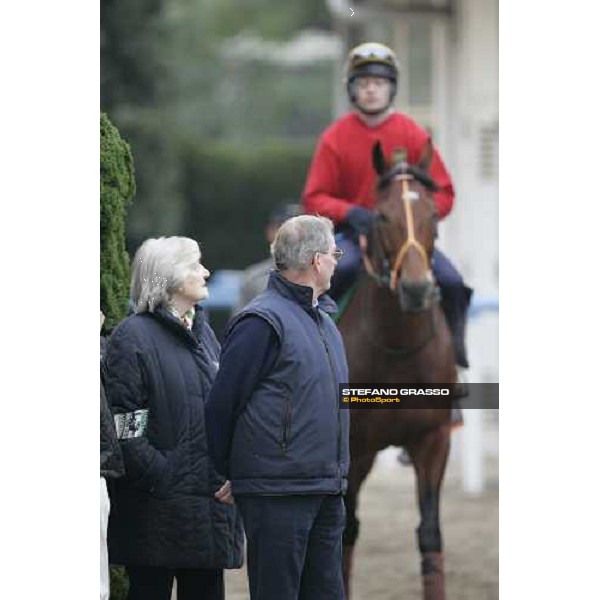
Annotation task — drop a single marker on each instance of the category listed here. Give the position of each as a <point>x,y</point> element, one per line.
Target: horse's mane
<point>405,168</point>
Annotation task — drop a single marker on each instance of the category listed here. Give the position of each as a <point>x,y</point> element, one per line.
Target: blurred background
<point>222,103</point>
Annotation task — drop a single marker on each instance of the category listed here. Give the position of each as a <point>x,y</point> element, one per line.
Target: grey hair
<point>160,265</point>
<point>298,239</point>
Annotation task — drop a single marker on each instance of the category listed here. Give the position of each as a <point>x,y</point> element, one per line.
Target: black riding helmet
<point>372,59</point>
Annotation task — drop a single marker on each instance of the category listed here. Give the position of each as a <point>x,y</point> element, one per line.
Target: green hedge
<point>117,188</point>
<point>228,192</point>
<point>119,583</point>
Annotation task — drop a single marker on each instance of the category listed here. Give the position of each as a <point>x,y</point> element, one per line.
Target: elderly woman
<point>172,513</point>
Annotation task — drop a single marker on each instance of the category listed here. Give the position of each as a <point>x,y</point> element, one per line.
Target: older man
<point>274,423</point>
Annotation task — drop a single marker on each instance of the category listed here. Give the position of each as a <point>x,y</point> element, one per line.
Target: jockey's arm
<point>322,190</point>
<point>444,197</point>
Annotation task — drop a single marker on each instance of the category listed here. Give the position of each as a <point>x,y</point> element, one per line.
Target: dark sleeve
<point>126,387</point>
<point>111,460</point>
<point>248,354</point>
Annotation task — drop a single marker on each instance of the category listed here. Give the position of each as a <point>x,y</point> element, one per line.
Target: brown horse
<point>395,333</point>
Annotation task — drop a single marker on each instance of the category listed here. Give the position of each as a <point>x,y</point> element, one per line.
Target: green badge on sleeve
<point>131,424</point>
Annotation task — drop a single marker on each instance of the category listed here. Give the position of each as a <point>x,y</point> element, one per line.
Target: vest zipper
<point>287,423</point>
<point>335,395</point>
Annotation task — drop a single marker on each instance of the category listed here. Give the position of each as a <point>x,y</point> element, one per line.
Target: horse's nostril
<point>415,295</point>
<point>415,288</point>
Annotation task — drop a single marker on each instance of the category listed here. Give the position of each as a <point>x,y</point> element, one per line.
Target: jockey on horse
<point>341,181</point>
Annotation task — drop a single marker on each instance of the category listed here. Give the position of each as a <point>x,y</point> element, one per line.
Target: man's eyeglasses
<point>337,253</point>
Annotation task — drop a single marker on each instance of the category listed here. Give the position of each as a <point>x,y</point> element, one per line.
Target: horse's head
<point>399,248</point>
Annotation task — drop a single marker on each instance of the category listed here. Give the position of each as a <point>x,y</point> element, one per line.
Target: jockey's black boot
<point>455,303</point>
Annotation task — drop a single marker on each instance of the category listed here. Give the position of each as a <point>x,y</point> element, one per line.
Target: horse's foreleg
<point>359,468</point>
<point>430,463</point>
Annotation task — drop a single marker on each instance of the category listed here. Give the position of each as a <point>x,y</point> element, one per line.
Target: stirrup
<point>461,387</point>
<point>404,458</point>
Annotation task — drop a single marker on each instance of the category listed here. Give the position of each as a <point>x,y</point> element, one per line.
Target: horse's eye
<point>382,218</point>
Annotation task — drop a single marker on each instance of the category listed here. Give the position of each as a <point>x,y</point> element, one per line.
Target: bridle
<point>390,278</point>
<point>405,173</point>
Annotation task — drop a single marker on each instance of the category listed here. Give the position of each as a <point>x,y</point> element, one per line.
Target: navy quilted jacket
<point>164,512</point>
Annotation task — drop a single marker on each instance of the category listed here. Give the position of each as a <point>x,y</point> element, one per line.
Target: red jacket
<point>342,175</point>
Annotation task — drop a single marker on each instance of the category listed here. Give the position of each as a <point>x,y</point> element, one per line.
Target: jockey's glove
<point>360,220</point>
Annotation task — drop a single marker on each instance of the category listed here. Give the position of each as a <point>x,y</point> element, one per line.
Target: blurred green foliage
<point>117,188</point>
<point>230,190</point>
<point>132,37</point>
<point>119,583</point>
<point>274,20</point>
<point>177,95</point>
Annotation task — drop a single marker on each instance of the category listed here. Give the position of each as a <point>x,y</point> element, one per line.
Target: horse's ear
<point>426,156</point>
<point>378,159</point>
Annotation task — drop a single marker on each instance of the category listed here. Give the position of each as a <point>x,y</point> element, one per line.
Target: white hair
<point>298,239</point>
<point>160,266</point>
